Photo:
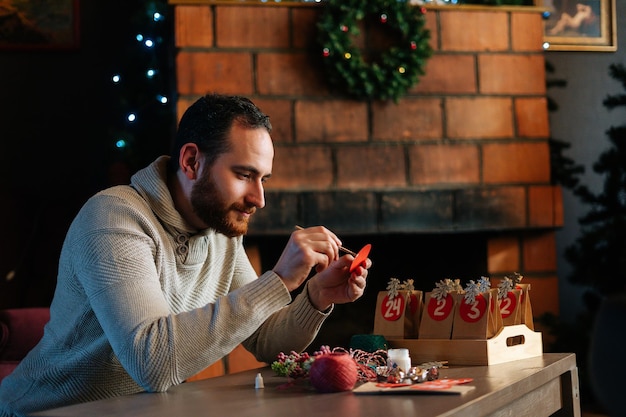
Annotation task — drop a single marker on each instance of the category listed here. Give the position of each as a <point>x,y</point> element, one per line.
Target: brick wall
<point>465,150</point>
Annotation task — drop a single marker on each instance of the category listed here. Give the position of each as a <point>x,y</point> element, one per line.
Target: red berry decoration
<point>333,372</point>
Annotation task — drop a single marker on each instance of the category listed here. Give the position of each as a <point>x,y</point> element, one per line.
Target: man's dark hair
<point>207,123</point>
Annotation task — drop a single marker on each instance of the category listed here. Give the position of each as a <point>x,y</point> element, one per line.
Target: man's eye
<point>244,176</point>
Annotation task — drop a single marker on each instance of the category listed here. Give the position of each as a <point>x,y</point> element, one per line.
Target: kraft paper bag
<point>438,316</point>
<point>475,316</point>
<point>398,315</point>
<point>496,317</point>
<point>526,311</point>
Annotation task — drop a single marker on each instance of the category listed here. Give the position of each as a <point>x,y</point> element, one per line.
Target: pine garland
<point>396,69</point>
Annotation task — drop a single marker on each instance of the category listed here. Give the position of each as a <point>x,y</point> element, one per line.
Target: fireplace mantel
<point>310,3</point>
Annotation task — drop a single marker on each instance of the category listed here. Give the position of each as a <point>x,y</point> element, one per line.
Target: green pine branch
<point>599,254</point>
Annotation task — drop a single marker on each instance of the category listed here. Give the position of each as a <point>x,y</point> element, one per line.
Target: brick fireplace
<point>454,179</point>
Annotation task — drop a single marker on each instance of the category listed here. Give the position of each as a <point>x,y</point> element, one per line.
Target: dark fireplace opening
<point>425,258</point>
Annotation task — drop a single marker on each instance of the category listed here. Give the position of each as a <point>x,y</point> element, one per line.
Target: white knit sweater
<point>143,302</point>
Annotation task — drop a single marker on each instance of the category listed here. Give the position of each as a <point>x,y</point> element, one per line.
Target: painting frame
<point>40,26</point>
<point>579,25</point>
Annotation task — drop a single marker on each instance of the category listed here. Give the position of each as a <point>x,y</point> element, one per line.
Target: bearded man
<point>154,284</point>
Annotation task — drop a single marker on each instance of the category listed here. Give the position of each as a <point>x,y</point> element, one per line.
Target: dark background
<point>60,115</point>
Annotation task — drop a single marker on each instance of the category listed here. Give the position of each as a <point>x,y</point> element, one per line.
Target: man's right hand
<point>314,247</point>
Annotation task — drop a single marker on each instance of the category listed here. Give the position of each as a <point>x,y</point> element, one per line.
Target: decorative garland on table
<point>397,69</point>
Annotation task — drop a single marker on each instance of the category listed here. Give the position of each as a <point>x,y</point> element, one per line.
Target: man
<point>154,284</point>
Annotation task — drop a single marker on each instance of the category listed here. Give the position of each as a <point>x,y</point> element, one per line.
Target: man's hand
<point>314,247</point>
<point>336,285</point>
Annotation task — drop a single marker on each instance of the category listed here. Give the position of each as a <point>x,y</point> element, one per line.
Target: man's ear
<point>189,160</point>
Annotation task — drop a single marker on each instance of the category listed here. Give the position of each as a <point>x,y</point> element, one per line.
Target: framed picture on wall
<point>39,25</point>
<point>579,25</point>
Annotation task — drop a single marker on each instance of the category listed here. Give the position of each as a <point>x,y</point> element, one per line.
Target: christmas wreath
<point>388,75</point>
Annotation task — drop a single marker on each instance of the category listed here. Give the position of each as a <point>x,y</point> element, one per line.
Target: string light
<point>143,86</point>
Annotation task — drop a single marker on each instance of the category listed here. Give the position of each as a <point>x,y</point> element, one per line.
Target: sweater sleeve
<point>292,328</point>
<point>156,347</point>
<point>118,257</point>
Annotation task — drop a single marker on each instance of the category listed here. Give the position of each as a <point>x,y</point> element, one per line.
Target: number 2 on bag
<point>440,309</point>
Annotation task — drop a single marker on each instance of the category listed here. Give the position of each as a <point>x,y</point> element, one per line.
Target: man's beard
<point>208,204</point>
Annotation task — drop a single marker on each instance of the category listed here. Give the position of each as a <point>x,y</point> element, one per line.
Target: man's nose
<point>256,196</point>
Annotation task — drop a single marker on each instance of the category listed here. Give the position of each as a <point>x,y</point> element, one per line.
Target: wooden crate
<point>511,343</point>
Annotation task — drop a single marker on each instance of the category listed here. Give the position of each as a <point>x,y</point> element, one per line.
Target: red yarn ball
<point>333,372</point>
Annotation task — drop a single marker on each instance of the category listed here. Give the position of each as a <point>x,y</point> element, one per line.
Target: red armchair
<point>20,330</point>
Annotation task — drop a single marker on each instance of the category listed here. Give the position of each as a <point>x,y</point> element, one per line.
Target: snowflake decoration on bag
<point>484,285</point>
<point>504,287</point>
<point>471,291</point>
<point>393,287</point>
<point>444,287</point>
<point>517,278</point>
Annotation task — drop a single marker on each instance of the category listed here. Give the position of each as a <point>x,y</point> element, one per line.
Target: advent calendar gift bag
<point>398,310</point>
<point>439,309</point>
<point>496,316</point>
<point>526,311</point>
<point>510,300</point>
<point>476,313</point>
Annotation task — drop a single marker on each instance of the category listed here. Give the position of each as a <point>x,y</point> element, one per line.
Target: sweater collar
<point>151,183</point>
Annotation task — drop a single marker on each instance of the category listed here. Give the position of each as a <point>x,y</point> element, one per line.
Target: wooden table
<point>541,386</point>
